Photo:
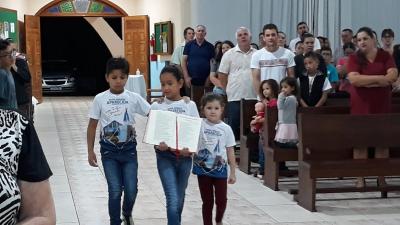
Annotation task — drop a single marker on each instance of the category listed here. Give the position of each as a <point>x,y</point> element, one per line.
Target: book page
<point>161,127</point>
<point>188,132</point>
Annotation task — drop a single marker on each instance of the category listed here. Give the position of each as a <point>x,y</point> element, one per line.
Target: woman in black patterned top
<point>25,194</point>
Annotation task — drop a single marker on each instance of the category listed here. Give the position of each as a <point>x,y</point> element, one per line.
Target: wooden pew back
<point>333,137</point>
<point>248,140</point>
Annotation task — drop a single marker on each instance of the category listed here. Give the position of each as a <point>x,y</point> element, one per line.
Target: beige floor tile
<point>80,191</point>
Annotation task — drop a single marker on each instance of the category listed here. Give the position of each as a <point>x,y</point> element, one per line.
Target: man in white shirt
<point>188,35</point>
<point>302,28</point>
<point>272,61</point>
<point>235,74</point>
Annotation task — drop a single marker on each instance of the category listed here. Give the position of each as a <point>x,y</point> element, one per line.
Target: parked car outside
<point>58,76</point>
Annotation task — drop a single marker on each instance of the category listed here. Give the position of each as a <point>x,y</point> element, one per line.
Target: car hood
<point>56,76</point>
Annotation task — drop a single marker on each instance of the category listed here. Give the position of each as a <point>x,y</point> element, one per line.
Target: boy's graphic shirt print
<point>116,114</point>
<point>211,158</point>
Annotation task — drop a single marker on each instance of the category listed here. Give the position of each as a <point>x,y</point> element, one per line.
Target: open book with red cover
<point>176,130</point>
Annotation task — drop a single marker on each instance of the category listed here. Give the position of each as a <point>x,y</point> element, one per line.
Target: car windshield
<point>55,66</point>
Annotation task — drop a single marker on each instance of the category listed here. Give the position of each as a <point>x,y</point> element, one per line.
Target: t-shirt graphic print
<point>211,158</point>
<point>117,132</point>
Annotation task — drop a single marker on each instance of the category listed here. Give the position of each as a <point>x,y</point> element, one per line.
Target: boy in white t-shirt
<point>115,108</point>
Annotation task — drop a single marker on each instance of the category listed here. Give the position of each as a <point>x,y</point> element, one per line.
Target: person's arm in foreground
<point>37,205</point>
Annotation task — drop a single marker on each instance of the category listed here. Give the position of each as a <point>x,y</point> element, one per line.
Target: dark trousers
<point>233,114</point>
<point>208,186</point>
<point>197,92</point>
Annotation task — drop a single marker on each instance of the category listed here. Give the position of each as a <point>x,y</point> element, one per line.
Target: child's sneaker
<point>127,220</point>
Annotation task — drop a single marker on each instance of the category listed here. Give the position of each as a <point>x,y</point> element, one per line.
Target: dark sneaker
<point>127,220</point>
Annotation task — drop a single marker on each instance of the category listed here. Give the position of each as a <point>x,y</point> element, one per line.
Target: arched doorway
<point>135,34</point>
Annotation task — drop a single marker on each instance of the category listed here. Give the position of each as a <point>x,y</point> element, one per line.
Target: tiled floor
<point>80,191</point>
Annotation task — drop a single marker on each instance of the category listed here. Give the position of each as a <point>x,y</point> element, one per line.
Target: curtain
<point>322,17</point>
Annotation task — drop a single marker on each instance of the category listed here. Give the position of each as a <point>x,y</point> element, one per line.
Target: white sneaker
<point>127,220</point>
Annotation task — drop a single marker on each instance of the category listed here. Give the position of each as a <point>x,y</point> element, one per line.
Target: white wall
<point>222,18</point>
<point>376,14</point>
<point>175,11</point>
<point>19,5</point>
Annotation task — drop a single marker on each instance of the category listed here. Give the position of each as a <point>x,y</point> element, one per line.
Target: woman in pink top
<point>371,72</point>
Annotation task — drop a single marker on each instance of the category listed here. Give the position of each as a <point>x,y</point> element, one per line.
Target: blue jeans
<point>120,168</point>
<point>174,174</point>
<point>234,118</point>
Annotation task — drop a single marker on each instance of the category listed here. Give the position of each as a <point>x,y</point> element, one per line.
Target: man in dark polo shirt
<point>196,63</point>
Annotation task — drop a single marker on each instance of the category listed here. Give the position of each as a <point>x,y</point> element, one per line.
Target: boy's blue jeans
<point>120,168</point>
<point>174,174</point>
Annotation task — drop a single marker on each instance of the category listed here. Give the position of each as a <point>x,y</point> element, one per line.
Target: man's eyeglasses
<point>12,54</point>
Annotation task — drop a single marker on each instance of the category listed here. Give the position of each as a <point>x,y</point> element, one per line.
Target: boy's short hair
<point>326,49</point>
<point>117,64</point>
<point>270,26</point>
<point>387,33</point>
<point>348,30</point>
<point>349,45</point>
<point>312,55</point>
<point>301,23</point>
<point>306,35</point>
<point>298,43</point>
<point>4,44</point>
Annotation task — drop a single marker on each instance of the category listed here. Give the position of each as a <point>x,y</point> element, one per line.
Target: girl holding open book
<point>174,165</point>
<point>216,151</point>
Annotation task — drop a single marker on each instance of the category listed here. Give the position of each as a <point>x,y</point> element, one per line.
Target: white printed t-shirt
<point>273,65</point>
<point>211,158</point>
<point>179,107</point>
<point>116,113</point>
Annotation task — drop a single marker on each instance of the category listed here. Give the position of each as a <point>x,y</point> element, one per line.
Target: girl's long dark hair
<point>272,84</point>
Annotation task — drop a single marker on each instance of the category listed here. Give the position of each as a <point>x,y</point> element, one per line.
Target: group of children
<point>116,108</point>
<point>311,90</point>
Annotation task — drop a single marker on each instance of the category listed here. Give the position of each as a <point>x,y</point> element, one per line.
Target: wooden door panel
<point>34,54</point>
<point>136,40</point>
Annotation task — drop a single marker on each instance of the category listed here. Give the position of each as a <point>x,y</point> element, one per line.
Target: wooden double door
<point>136,41</point>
